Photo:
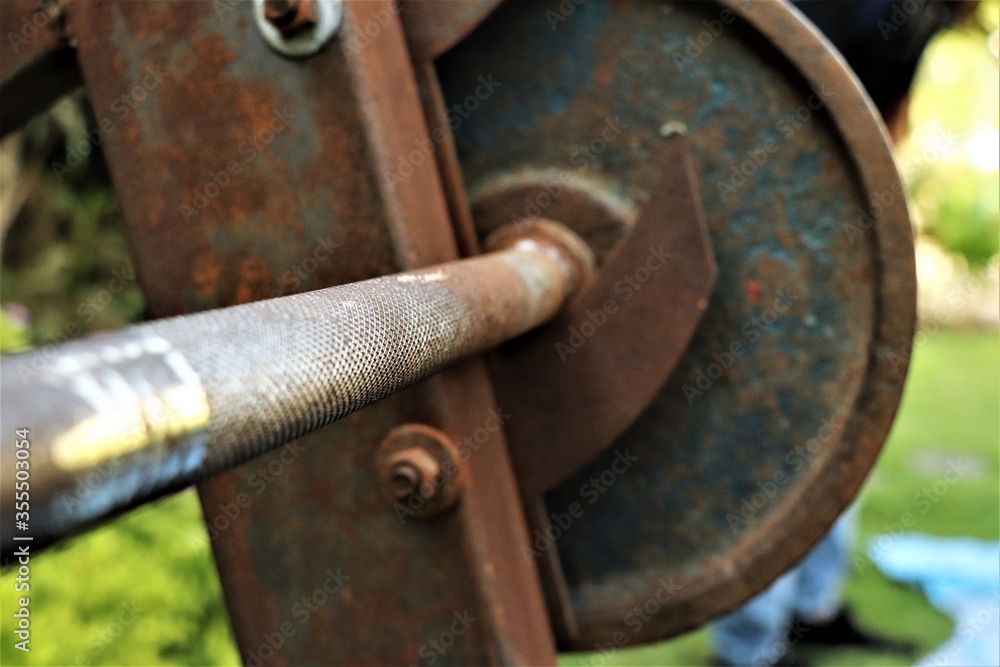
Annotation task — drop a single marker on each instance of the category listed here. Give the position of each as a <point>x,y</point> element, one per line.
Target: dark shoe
<point>790,659</point>
<point>843,631</point>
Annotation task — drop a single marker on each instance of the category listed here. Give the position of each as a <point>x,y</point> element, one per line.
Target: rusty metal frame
<point>411,577</point>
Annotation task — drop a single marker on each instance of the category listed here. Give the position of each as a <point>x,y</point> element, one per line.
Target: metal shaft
<point>117,420</point>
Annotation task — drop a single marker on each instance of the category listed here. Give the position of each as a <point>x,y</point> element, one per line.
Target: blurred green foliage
<point>81,280</point>
<point>140,591</point>
<point>962,209</point>
<point>952,156</point>
<point>65,256</point>
<point>14,335</point>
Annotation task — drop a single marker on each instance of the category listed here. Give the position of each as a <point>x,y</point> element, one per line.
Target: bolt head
<point>414,471</point>
<point>290,16</point>
<point>278,11</point>
<point>405,480</point>
<point>411,464</point>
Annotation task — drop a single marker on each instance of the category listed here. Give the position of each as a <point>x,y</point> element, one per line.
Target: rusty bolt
<point>414,471</point>
<point>291,16</point>
<point>419,470</point>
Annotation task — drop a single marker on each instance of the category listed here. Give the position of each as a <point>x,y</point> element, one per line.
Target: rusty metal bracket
<point>611,350</point>
<point>328,172</point>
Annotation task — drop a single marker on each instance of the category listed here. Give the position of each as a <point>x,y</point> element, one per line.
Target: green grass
<point>141,590</point>
<point>950,412</point>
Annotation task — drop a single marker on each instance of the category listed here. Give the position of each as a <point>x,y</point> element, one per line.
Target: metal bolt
<point>291,16</point>
<point>298,28</point>
<point>419,469</point>
<point>673,128</point>
<point>405,480</point>
<point>414,471</point>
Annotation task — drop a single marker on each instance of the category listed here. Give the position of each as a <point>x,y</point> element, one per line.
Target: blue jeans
<point>757,632</point>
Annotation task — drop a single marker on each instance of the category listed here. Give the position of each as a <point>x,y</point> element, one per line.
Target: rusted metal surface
<point>433,27</point>
<point>553,240</point>
<point>37,65</point>
<point>601,367</point>
<point>352,121</point>
<point>772,419</point>
<point>439,123</point>
<point>163,405</point>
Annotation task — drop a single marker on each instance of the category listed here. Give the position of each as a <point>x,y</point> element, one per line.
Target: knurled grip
<point>119,419</point>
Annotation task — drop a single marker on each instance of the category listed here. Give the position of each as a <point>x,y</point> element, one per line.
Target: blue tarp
<point>961,578</point>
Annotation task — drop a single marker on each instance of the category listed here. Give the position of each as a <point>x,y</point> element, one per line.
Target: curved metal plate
<point>768,426</point>
<point>434,27</point>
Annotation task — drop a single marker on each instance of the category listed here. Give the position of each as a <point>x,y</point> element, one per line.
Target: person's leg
<point>820,615</point>
<point>755,633</point>
<point>823,571</point>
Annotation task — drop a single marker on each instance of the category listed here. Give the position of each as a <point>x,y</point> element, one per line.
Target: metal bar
<point>130,416</point>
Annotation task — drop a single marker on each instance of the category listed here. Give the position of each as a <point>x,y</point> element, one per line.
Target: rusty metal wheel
<point>767,427</point>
